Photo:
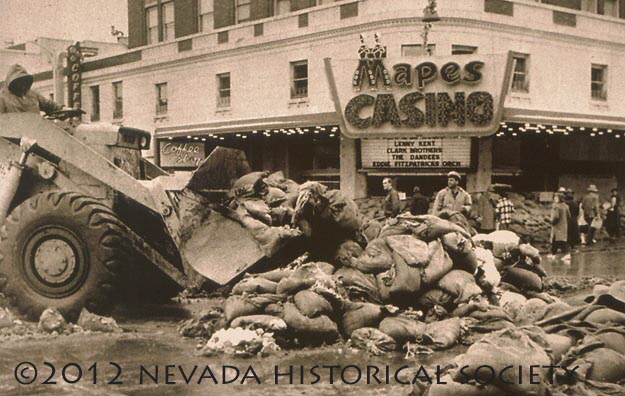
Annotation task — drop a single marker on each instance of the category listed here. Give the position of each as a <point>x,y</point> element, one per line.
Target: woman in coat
<point>560,216</point>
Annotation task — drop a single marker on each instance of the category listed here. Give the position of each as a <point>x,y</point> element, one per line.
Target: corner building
<point>251,74</point>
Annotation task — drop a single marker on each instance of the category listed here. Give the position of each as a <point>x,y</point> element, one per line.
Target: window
<point>259,29</point>
<point>243,10</point>
<point>151,18</point>
<point>463,49</point>
<point>168,21</point>
<point>205,15</point>
<point>95,103</point>
<point>223,95</point>
<point>607,7</point>
<point>302,20</point>
<point>417,50</point>
<point>282,7</point>
<point>598,83</point>
<point>349,10</point>
<point>118,103</point>
<point>222,37</point>
<point>299,79</point>
<point>161,98</point>
<point>520,74</point>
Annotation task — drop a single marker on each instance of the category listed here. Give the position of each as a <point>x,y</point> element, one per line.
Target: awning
<point>562,119</point>
<point>221,127</point>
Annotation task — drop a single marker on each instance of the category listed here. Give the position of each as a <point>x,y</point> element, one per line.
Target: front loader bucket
<point>217,247</point>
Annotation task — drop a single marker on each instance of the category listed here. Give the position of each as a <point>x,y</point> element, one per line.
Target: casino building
<point>530,93</point>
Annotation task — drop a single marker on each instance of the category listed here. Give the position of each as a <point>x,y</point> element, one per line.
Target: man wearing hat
<point>17,97</point>
<point>592,211</point>
<point>573,229</point>
<point>453,197</point>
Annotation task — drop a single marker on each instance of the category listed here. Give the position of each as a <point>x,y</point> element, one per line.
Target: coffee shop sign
<point>182,154</point>
<point>427,95</point>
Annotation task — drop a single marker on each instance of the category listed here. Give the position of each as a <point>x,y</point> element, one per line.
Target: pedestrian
<point>573,230</point>
<point>17,97</point>
<point>391,201</point>
<point>613,217</point>
<point>503,212</point>
<point>592,213</point>
<point>453,197</point>
<point>419,204</point>
<point>560,217</point>
<point>486,211</point>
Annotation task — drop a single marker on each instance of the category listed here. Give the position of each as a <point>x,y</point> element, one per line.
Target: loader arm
<point>58,142</point>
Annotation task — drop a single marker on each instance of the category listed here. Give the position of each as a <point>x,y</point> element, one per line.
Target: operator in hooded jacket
<point>17,97</point>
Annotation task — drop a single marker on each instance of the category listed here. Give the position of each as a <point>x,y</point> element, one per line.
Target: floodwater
<point>137,359</point>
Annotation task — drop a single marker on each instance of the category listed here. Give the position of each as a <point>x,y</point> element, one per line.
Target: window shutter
<point>136,24</point>
<point>261,9</point>
<point>185,14</point>
<point>223,13</point>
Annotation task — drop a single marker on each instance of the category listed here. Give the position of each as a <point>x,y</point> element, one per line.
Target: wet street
<point>136,361</point>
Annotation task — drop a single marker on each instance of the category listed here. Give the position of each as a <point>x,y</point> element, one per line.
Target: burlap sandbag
<point>276,275</point>
<point>435,296</point>
<point>373,341</point>
<point>236,306</point>
<point>358,315</point>
<point>265,322</point>
<point>359,286</point>
<point>414,251</point>
<point>438,265</point>
<point>343,211</point>
<point>448,387</point>
<point>347,252</point>
<point>402,328</point>
<point>407,280</point>
<point>530,252</point>
<point>394,228</point>
<point>509,347</point>
<point>601,364</point>
<point>371,230</point>
<point>311,304</point>
<point>313,330</point>
<point>376,258</point>
<point>304,277</point>
<point>442,334</point>
<point>460,284</point>
<point>606,315</point>
<point>258,209</point>
<point>255,285</point>
<point>488,276</point>
<point>613,338</point>
<point>429,227</point>
<point>504,242</point>
<point>532,311</point>
<point>523,279</point>
<point>559,345</point>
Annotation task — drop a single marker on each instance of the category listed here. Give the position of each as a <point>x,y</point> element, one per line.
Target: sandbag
<point>246,182</point>
<point>373,341</point>
<point>343,211</point>
<point>434,297</point>
<point>606,315</point>
<point>265,322</point>
<point>429,227</point>
<point>414,251</point>
<point>504,243</point>
<point>304,277</point>
<point>371,229</point>
<point>459,219</point>
<point>499,263</point>
<point>491,312</point>
<point>438,265</point>
<point>406,282</point>
<point>236,306</point>
<point>258,209</point>
<point>276,275</point>
<point>454,242</point>
<point>314,330</point>
<point>255,285</point>
<point>402,328</point>
<point>311,304</point>
<point>465,261</point>
<point>559,345</point>
<point>358,315</point>
<point>613,338</point>
<point>523,279</point>
<point>601,364</point>
<point>532,311</point>
<point>460,284</point>
<point>488,276</point>
<point>448,387</point>
<point>443,334</point>
<point>509,347</point>
<point>393,227</point>
<point>530,252</point>
<point>347,252</point>
<point>376,258</point>
<point>359,286</point>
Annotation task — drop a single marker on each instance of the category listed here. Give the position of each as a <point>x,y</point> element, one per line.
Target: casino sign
<point>460,95</point>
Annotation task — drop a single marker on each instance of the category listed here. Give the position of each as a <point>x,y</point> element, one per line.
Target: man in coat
<point>419,204</point>
<point>391,201</point>
<point>453,197</point>
<point>592,210</point>
<point>17,97</point>
<point>486,211</point>
<point>560,216</point>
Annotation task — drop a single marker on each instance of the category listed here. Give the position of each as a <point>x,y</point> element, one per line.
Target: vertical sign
<point>74,74</point>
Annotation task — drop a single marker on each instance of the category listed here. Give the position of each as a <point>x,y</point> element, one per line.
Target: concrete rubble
<point>416,284</point>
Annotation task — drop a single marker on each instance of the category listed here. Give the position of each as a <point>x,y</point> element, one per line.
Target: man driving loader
<point>17,97</point>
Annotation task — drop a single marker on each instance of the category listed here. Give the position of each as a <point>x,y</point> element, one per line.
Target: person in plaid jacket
<point>503,212</point>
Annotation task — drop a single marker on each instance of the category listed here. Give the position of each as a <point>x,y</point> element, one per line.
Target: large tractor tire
<point>61,250</point>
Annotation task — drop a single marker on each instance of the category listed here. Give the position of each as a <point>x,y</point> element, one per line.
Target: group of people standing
<point>575,223</point>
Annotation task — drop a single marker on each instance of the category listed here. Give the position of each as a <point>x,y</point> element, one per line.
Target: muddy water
<point>607,263</point>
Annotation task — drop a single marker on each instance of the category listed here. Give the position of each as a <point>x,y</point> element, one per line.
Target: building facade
<point>251,74</point>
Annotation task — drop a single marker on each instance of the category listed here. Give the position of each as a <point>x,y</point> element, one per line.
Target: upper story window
<point>151,22</point>
<point>223,93</point>
<point>118,100</point>
<point>520,73</point>
<point>282,7</point>
<point>598,82</point>
<point>161,98</point>
<point>417,50</point>
<point>608,7</point>
<point>299,79</point>
<point>205,15</point>
<point>168,20</point>
<point>243,10</point>
<point>95,102</point>
<point>457,49</point>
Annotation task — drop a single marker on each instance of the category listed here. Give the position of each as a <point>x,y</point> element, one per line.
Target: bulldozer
<point>85,220</point>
